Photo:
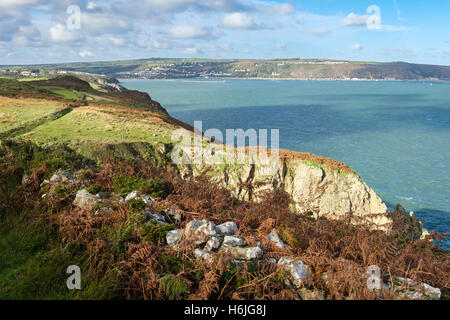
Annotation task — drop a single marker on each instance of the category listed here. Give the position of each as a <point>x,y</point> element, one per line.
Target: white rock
<point>208,228</point>
<point>62,176</point>
<point>228,228</point>
<point>45,182</point>
<point>85,200</point>
<point>146,198</point>
<point>44,195</point>
<point>200,230</point>
<point>275,238</point>
<point>298,270</point>
<point>233,241</point>
<point>132,195</point>
<point>212,244</point>
<point>431,292</point>
<point>244,253</point>
<point>416,289</point>
<point>201,254</point>
<point>155,216</point>
<point>173,237</point>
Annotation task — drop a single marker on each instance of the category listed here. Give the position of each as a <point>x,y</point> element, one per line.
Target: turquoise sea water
<point>396,135</point>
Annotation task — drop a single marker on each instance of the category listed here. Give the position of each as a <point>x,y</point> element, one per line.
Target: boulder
<point>201,254</point>
<point>213,244</point>
<point>298,270</point>
<point>132,195</point>
<point>228,228</point>
<point>251,253</point>
<point>155,216</point>
<point>85,200</point>
<point>233,241</point>
<point>200,230</point>
<point>275,238</point>
<point>416,290</point>
<point>62,176</point>
<point>173,237</point>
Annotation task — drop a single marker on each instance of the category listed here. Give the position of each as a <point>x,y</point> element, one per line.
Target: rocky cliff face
<point>316,189</point>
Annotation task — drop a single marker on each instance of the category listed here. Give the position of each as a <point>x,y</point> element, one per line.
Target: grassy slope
<point>32,264</point>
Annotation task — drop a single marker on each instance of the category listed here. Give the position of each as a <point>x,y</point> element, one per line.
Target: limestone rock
<point>131,196</point>
<point>275,238</point>
<point>200,230</point>
<point>85,200</point>
<point>298,270</point>
<point>228,228</point>
<point>213,244</point>
<point>62,176</point>
<point>251,253</point>
<point>233,241</point>
<point>201,254</point>
<point>416,290</point>
<point>173,237</point>
<point>155,216</point>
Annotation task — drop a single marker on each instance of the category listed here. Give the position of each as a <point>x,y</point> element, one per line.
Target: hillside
<point>88,180</point>
<point>302,69</point>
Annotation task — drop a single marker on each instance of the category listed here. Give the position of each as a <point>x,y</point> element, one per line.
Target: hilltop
<point>301,69</point>
<point>88,180</point>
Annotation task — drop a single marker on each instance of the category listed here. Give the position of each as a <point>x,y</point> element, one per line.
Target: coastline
<point>221,80</point>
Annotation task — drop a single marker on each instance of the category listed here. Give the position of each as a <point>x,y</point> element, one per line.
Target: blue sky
<point>42,31</point>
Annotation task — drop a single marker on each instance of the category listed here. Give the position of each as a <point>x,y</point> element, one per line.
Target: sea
<point>396,135</point>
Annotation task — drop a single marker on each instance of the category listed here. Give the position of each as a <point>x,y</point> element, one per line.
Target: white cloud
<point>191,51</point>
<point>318,32</point>
<point>85,54</point>
<point>354,19</point>
<point>357,47</point>
<point>170,4</point>
<point>161,45</point>
<point>188,32</point>
<point>18,3</point>
<point>118,42</point>
<point>238,20</point>
<point>60,34</point>
<point>283,8</point>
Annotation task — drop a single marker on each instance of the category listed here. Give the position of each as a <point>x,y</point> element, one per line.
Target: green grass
<point>82,125</point>
<point>63,93</point>
<point>14,116</point>
<point>32,265</point>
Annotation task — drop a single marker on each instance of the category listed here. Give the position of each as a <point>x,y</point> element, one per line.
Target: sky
<point>54,31</point>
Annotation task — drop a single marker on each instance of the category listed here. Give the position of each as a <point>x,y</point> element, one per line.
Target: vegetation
<point>122,251</point>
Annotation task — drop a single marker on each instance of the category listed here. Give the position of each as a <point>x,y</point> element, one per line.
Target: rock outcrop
<point>317,189</point>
